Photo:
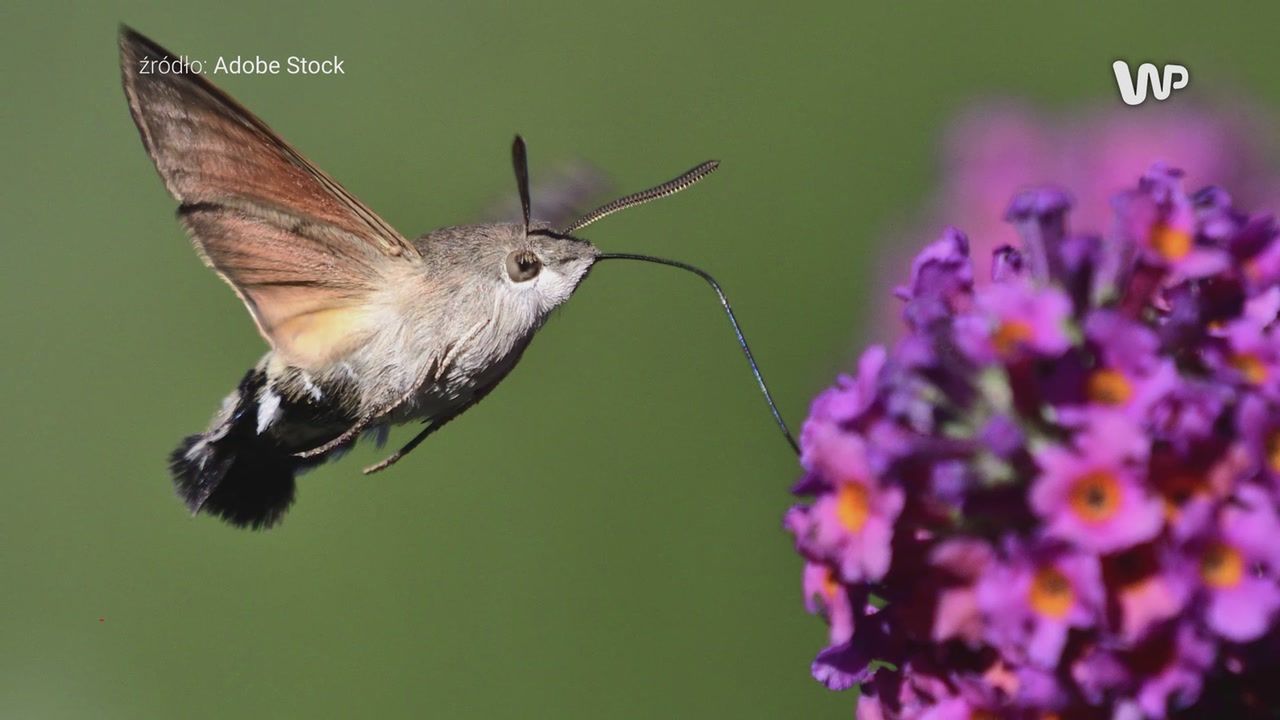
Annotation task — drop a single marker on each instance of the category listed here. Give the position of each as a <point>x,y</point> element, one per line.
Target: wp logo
<point>1174,77</point>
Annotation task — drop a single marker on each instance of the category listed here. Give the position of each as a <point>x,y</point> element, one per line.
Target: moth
<point>367,329</point>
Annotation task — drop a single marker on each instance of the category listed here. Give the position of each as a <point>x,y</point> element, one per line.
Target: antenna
<point>671,187</point>
<point>520,160</point>
<point>724,301</point>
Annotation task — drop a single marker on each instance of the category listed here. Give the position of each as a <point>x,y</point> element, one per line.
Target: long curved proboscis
<point>737,330</point>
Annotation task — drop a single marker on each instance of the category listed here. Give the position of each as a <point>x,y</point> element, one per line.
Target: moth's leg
<point>408,447</point>
<point>436,424</point>
<point>347,436</point>
<point>437,371</point>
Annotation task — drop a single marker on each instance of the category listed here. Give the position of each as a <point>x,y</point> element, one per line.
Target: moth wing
<point>301,252</point>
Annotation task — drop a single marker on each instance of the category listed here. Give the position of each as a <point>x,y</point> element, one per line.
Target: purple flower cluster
<point>994,147</point>
<point>1058,495</point>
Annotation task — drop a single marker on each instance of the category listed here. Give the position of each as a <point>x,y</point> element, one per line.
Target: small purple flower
<point>941,281</point>
<point>842,665</point>
<point>1034,598</point>
<point>1235,561</point>
<point>1253,344</point>
<point>1157,216</point>
<point>1014,318</point>
<point>825,595</point>
<point>850,525</point>
<point>1130,374</point>
<point>1041,219</point>
<point>853,527</point>
<point>1092,495</point>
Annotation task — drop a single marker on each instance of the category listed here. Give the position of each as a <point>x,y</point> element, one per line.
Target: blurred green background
<point>601,537</point>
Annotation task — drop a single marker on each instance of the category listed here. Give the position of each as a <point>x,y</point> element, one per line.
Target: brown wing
<point>301,251</point>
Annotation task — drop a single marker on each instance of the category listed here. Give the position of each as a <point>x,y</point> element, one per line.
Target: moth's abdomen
<point>234,471</point>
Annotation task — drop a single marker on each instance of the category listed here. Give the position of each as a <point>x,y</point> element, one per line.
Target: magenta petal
<point>829,668</point>
<point>1044,647</point>
<point>1243,614</point>
<point>950,709</point>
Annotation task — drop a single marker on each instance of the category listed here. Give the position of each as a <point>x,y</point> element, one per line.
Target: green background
<point>601,537</point>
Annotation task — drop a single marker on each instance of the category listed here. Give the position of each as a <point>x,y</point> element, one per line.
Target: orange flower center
<point>1109,387</point>
<point>1251,366</point>
<point>852,506</point>
<point>1096,496</point>
<point>1051,594</point>
<point>1010,335</point>
<point>829,585</point>
<point>983,715</point>
<point>1171,243</point>
<point>1273,450</point>
<point>1221,566</point>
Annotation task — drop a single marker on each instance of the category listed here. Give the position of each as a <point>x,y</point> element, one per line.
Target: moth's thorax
<point>454,320</point>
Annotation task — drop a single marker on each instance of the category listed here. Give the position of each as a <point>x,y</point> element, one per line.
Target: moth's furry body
<point>367,329</point>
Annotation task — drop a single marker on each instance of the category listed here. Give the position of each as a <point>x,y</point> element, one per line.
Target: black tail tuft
<point>231,471</point>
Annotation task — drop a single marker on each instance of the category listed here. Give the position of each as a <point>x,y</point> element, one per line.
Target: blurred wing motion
<point>560,194</point>
<point>300,251</point>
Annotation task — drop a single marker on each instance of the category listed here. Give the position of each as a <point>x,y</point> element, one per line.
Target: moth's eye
<point>523,265</point>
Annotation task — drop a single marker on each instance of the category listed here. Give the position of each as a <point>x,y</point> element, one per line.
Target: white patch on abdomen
<point>268,409</point>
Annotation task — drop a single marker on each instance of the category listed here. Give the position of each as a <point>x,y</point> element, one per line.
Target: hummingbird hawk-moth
<point>367,329</point>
